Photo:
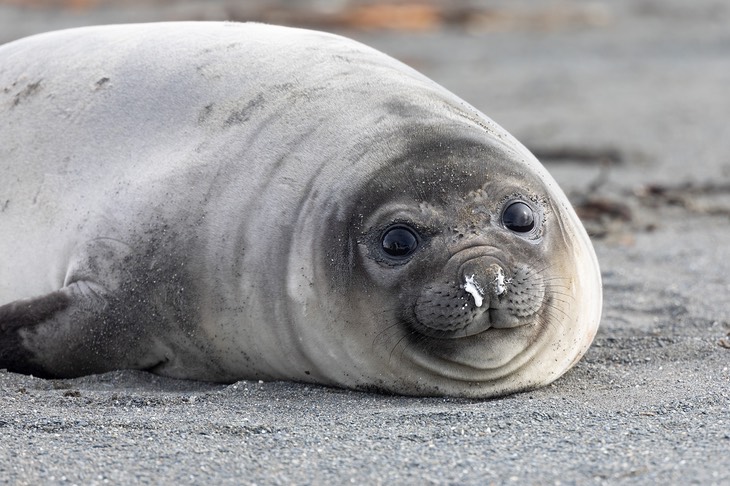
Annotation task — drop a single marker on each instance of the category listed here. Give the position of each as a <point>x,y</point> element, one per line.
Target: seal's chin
<point>484,356</point>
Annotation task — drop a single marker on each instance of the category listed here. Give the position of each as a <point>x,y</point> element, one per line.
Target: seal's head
<point>462,270</point>
<point>488,285</point>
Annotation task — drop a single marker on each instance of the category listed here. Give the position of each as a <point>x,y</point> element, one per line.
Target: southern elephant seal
<point>223,201</point>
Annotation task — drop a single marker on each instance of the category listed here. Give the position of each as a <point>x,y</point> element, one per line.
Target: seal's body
<point>222,201</point>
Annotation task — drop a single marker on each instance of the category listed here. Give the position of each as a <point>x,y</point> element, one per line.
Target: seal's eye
<point>399,242</point>
<point>518,217</point>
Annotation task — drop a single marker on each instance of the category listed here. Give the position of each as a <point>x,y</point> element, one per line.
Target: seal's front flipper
<point>78,330</point>
<point>19,317</point>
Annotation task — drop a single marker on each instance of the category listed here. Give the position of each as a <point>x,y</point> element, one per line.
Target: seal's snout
<point>483,279</point>
<point>476,300</point>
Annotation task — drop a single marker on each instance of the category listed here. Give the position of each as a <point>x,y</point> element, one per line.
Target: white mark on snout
<point>471,286</point>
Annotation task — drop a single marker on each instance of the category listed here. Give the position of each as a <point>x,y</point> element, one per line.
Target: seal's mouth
<point>487,294</point>
<point>463,320</point>
<point>480,322</point>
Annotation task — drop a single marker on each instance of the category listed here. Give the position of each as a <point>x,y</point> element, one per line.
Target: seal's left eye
<point>399,242</point>
<point>518,217</point>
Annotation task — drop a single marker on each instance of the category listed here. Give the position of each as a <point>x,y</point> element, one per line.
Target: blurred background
<point>475,16</point>
<point>617,97</point>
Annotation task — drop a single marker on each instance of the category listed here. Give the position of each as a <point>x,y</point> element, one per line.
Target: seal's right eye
<point>399,242</point>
